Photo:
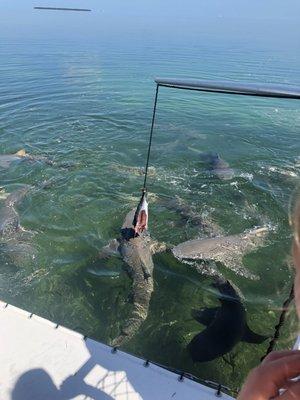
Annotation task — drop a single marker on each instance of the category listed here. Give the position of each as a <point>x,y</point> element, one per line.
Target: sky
<point>273,20</point>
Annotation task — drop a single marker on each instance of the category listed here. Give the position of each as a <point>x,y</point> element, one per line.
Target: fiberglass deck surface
<point>40,360</point>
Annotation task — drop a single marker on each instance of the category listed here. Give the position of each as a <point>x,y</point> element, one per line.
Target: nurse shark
<point>136,248</point>
<point>228,250</point>
<point>226,325</point>
<point>218,166</point>
<point>7,159</point>
<point>13,238</point>
<point>9,217</point>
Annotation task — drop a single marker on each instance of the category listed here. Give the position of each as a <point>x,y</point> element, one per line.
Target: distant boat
<point>62,9</point>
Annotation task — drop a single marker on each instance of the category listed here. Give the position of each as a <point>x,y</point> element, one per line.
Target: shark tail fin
<point>252,337</point>
<point>21,153</point>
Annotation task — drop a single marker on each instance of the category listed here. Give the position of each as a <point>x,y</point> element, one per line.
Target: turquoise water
<point>88,107</point>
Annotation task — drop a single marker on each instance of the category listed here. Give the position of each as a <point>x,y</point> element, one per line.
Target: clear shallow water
<point>89,106</point>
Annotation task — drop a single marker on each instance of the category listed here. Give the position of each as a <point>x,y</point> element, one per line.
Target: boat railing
<point>228,87</point>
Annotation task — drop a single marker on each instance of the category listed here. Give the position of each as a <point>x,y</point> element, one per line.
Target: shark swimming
<point>228,250</point>
<point>9,217</point>
<point>13,238</point>
<point>7,159</point>
<point>136,248</point>
<point>225,325</point>
<point>217,165</point>
<point>220,167</point>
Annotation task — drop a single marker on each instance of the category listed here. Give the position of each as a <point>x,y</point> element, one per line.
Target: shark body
<point>228,250</point>
<point>136,250</point>
<point>225,325</point>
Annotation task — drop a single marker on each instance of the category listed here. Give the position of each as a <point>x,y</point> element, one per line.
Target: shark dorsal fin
<point>21,153</point>
<point>252,337</point>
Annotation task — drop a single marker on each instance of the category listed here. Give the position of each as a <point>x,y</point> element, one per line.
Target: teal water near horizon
<point>88,107</point>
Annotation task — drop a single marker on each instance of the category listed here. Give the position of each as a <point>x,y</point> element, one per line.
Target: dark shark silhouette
<point>225,326</point>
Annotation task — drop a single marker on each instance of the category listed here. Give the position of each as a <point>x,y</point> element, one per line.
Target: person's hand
<point>296,257</point>
<point>275,372</point>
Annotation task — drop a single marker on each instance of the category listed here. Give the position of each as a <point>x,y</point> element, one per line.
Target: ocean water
<point>87,107</point>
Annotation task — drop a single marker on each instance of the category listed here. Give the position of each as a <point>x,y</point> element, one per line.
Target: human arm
<point>274,373</point>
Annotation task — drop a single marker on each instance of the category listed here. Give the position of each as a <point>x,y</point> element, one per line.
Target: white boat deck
<point>43,361</point>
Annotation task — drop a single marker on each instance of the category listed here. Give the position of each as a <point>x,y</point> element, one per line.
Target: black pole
<point>150,139</point>
<point>281,321</point>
